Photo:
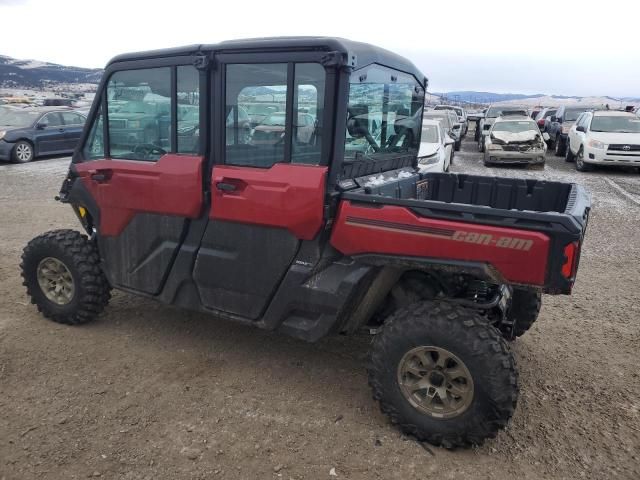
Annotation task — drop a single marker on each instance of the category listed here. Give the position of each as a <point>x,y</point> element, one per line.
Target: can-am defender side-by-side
<point>313,221</point>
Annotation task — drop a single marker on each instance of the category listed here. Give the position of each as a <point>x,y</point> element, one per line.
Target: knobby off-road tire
<point>433,331</point>
<point>524,311</point>
<point>61,270</point>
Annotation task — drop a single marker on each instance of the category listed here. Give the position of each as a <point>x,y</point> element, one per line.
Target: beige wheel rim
<point>435,381</point>
<point>55,280</point>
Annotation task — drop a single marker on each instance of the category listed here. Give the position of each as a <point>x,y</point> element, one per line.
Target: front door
<point>147,191</point>
<point>268,187</point>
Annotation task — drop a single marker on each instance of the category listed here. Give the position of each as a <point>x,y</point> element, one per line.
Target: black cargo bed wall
<point>496,192</point>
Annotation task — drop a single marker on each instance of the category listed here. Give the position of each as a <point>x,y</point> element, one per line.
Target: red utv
<point>309,238</point>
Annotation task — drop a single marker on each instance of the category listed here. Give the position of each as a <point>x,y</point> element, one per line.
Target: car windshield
<point>572,115</point>
<point>429,134</point>
<point>442,118</point>
<point>495,112</point>
<point>275,120</point>
<point>514,127</point>
<point>384,114</point>
<point>615,124</point>
<point>17,118</point>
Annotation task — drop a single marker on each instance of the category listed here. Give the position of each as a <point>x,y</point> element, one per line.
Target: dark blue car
<point>27,133</point>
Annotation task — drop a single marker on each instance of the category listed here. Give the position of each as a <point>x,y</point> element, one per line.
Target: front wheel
<point>569,156</point>
<point>581,165</point>
<point>443,374</point>
<point>22,152</point>
<point>559,147</point>
<point>61,270</point>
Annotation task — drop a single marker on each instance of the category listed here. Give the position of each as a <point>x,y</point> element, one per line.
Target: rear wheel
<point>524,311</point>
<point>581,165</point>
<point>61,270</point>
<point>22,152</point>
<point>443,374</point>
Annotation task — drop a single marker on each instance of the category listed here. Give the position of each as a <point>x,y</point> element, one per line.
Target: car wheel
<point>581,165</point>
<point>559,147</point>
<point>22,152</point>
<point>61,270</point>
<point>443,374</point>
<point>480,144</point>
<point>568,154</point>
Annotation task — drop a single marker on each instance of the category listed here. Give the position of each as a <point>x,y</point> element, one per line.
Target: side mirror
<point>554,118</point>
<point>449,141</point>
<point>456,126</point>
<point>546,136</point>
<point>41,126</point>
<point>581,129</point>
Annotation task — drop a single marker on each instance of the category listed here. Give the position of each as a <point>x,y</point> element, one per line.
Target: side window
<point>188,87</point>
<point>51,120</point>
<point>255,114</point>
<point>71,118</point>
<point>94,146</point>
<point>139,112</point>
<point>308,101</point>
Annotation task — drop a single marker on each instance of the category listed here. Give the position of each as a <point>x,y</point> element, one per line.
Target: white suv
<point>604,137</point>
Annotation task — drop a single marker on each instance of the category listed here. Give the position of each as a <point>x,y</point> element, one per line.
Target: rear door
<point>50,134</point>
<point>144,175</point>
<point>267,194</point>
<point>73,125</point>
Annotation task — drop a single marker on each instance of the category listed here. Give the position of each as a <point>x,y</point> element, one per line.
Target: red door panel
<point>171,186</point>
<point>286,195</point>
<point>519,255</point>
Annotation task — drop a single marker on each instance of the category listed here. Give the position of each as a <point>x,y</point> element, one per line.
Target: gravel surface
<point>153,392</point>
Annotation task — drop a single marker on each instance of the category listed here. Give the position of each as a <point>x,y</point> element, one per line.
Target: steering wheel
<point>145,150</point>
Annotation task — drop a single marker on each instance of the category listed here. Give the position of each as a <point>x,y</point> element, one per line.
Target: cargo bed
<point>529,230</point>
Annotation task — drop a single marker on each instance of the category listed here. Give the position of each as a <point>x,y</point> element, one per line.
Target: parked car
<point>514,139</point>
<point>494,112</point>
<point>543,117</point>
<point>449,124</point>
<point>271,130</point>
<point>258,112</point>
<point>474,117</point>
<point>443,269</point>
<point>436,148</point>
<point>27,133</point>
<point>559,126</point>
<point>462,115</point>
<point>604,137</point>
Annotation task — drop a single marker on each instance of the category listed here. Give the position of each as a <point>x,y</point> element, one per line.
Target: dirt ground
<point>151,392</point>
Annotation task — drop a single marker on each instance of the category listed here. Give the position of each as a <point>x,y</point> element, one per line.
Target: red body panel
<point>519,255</point>
<point>286,195</point>
<point>170,186</point>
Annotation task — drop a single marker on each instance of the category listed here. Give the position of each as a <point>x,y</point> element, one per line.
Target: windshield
<point>514,127</point>
<point>495,112</point>
<point>384,112</point>
<point>572,115</point>
<point>275,120</point>
<point>615,124</point>
<point>429,134</point>
<point>441,117</point>
<point>17,118</point>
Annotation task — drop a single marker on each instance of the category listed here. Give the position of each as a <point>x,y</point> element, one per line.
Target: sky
<point>564,47</point>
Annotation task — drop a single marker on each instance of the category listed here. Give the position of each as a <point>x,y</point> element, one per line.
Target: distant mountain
<point>490,97</point>
<point>33,73</point>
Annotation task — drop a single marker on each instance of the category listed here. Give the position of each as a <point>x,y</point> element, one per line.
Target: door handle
<point>101,176</point>
<point>226,187</point>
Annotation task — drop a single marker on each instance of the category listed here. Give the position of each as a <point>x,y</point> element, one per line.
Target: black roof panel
<point>366,54</point>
